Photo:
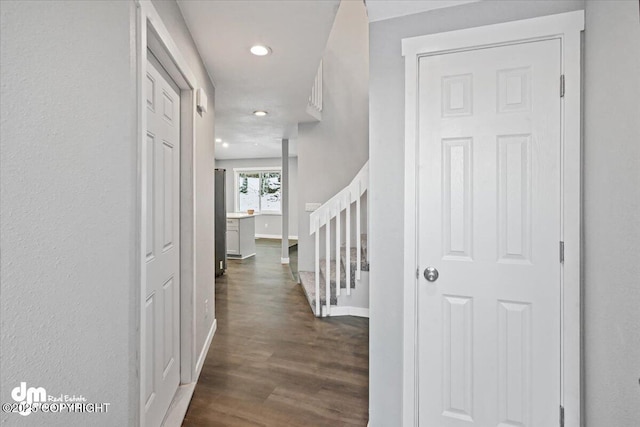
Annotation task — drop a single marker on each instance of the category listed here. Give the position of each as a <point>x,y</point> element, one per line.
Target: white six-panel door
<point>489,218</point>
<point>161,306</point>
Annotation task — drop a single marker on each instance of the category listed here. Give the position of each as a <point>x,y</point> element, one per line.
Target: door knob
<point>431,274</point>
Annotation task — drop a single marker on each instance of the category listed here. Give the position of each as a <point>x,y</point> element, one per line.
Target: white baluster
<point>358,236</point>
<point>347,237</point>
<point>319,77</point>
<point>328,262</point>
<point>338,248</point>
<point>317,231</point>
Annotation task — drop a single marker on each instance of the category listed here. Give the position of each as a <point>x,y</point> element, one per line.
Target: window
<point>258,189</point>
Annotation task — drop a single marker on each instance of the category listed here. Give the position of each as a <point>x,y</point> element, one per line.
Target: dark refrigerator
<point>220,221</point>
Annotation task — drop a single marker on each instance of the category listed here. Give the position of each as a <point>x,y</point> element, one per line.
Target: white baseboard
<point>284,260</point>
<point>349,311</point>
<point>274,236</point>
<point>179,405</point>
<point>205,348</point>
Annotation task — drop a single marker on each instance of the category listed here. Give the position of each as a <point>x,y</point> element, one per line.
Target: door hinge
<point>561,416</point>
<point>561,252</point>
<point>562,86</point>
<point>418,273</point>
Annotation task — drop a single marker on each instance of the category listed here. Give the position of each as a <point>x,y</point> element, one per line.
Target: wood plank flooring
<point>271,362</point>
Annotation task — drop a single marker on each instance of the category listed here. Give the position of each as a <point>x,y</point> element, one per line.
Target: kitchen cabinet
<point>241,235</point>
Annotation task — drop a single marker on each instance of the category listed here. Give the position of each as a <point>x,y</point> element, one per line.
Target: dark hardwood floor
<point>271,362</point>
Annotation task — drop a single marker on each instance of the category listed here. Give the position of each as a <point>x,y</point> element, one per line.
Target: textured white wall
<point>611,262</point>
<point>67,196</point>
<point>387,180</point>
<point>68,202</point>
<point>205,164</point>
<point>331,152</point>
<point>265,224</point>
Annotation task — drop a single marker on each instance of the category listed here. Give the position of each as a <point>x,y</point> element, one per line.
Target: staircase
<point>341,275</point>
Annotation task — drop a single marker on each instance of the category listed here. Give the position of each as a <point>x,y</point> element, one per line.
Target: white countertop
<point>239,215</point>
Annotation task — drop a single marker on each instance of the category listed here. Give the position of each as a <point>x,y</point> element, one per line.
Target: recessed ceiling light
<point>218,140</point>
<point>260,50</point>
<point>260,113</point>
<point>225,144</point>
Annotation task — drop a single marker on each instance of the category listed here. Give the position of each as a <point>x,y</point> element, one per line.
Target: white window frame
<point>236,195</point>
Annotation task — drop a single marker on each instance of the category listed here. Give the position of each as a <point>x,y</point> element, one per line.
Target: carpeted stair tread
<point>308,278</point>
<point>308,282</point>
<point>343,275</point>
<point>363,245</point>
<point>364,263</point>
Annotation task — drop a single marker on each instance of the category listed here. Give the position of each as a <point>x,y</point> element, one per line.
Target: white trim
<point>167,52</point>
<point>571,223</point>
<point>187,238</point>
<point>180,403</point>
<point>284,260</point>
<point>205,348</point>
<point>151,14</point>
<point>552,26</point>
<point>567,28</point>
<point>409,357</point>
<point>339,310</point>
<point>274,236</point>
<point>178,408</point>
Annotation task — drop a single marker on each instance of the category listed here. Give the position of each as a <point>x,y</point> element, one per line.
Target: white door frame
<point>152,34</point>
<point>566,27</point>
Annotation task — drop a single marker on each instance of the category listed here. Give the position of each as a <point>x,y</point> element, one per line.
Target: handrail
<point>322,217</point>
<point>352,192</point>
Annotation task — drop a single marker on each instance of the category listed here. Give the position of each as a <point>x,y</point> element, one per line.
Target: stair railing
<point>322,217</point>
<point>315,98</point>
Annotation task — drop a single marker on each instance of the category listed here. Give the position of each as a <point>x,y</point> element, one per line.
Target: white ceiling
<point>280,83</point>
<point>386,9</point>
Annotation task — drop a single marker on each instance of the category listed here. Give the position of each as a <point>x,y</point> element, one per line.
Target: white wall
<point>270,225</point>
<point>387,171</point>
<point>68,203</point>
<point>68,191</point>
<point>611,263</point>
<point>204,155</point>
<point>331,152</point>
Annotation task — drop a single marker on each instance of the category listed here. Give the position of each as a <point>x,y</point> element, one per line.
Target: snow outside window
<point>259,190</point>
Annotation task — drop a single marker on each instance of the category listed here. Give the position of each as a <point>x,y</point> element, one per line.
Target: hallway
<point>272,363</point>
